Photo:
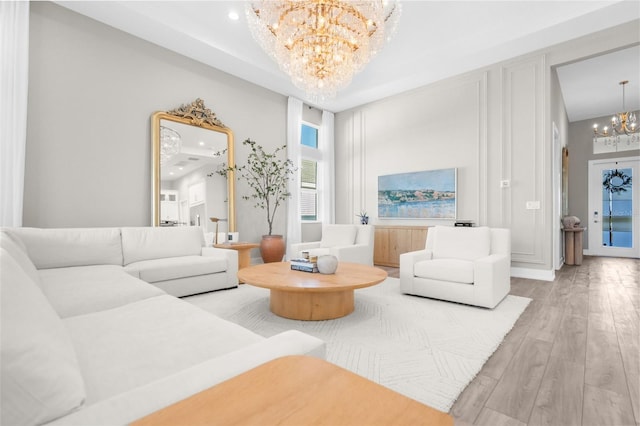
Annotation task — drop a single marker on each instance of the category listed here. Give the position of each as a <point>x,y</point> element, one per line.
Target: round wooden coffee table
<point>311,296</point>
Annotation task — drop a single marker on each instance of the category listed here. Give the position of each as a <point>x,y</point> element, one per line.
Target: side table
<point>573,246</point>
<point>243,249</point>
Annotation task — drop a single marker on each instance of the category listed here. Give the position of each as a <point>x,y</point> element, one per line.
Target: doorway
<point>614,197</point>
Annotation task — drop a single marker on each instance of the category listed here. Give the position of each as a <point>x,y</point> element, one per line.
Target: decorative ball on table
<point>327,264</point>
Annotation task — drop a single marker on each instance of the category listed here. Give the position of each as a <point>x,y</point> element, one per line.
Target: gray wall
<point>580,153</point>
<point>92,90</point>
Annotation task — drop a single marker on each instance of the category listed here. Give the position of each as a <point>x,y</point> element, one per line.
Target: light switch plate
<point>505,183</point>
<point>533,205</point>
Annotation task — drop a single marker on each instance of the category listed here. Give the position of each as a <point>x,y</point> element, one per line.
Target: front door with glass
<point>614,224</point>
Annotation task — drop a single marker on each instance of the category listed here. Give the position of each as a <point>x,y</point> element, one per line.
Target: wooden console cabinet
<point>392,241</point>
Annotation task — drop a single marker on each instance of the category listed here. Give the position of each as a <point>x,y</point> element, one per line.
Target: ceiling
<point>434,40</point>
<point>591,88</point>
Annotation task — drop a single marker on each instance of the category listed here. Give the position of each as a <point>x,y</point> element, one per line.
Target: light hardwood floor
<point>572,358</point>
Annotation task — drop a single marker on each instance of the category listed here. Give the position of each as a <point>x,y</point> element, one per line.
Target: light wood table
<point>573,246</point>
<point>297,390</point>
<point>243,249</point>
<point>311,296</point>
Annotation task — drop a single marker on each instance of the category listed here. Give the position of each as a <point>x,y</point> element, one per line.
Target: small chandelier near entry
<point>170,143</point>
<point>622,123</point>
<point>321,44</point>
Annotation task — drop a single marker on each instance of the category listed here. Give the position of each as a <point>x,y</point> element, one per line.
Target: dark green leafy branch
<point>267,175</point>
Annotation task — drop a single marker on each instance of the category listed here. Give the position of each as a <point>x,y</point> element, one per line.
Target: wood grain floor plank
<point>599,301</point>
<point>489,417</point>
<point>560,294</point>
<point>541,290</point>
<point>546,325</point>
<point>469,404</point>
<point>515,393</point>
<point>620,300</point>
<point>634,295</point>
<point>521,327</point>
<point>578,303</point>
<point>601,321</point>
<point>604,367</point>
<point>497,364</point>
<point>631,363</point>
<point>582,279</point>
<point>520,287</point>
<point>571,340</point>
<point>603,407</point>
<point>627,326</point>
<point>559,400</point>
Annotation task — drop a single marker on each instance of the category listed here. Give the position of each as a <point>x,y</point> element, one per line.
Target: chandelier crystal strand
<point>321,44</point>
<point>170,143</point>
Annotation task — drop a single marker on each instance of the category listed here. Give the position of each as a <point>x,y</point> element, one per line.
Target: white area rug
<point>426,349</point>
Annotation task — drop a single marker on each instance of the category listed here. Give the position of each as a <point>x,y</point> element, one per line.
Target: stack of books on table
<point>304,265</point>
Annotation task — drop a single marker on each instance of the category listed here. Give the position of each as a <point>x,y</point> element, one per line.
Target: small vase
<point>272,248</point>
<point>327,264</point>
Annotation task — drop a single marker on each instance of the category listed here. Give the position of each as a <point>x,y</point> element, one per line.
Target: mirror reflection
<point>187,191</point>
<point>187,196</point>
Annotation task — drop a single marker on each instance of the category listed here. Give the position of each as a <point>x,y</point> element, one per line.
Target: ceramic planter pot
<point>272,248</point>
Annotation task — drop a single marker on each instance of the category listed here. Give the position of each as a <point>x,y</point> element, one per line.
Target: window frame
<point>316,155</point>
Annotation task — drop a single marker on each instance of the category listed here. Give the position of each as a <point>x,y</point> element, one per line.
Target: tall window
<point>311,156</point>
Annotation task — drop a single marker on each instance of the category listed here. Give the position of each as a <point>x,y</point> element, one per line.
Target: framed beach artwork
<point>430,194</point>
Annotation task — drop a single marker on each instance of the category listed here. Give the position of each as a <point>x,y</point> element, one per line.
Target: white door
<point>614,212</point>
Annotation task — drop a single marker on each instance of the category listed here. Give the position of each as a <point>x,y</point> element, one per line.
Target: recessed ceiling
<point>591,88</point>
<point>434,39</point>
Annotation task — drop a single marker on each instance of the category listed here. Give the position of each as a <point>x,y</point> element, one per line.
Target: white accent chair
<point>349,243</point>
<point>469,265</point>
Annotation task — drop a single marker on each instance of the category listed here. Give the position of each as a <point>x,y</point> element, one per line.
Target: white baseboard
<point>534,274</point>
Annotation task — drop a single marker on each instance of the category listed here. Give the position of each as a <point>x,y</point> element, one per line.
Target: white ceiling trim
<point>435,39</point>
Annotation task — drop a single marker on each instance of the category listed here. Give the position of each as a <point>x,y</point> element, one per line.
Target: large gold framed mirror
<point>189,146</point>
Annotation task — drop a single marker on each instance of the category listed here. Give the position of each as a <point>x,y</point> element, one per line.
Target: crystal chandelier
<point>321,44</point>
<point>170,143</point>
<point>622,123</point>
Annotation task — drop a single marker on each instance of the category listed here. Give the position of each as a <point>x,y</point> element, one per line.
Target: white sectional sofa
<point>86,342</point>
<point>173,259</point>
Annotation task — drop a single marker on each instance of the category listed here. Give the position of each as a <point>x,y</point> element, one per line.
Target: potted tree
<point>267,174</point>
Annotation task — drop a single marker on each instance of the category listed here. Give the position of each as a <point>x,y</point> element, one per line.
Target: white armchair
<point>349,243</point>
<point>468,265</point>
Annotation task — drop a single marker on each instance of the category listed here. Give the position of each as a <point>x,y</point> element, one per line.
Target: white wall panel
<point>435,127</point>
<point>523,139</point>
